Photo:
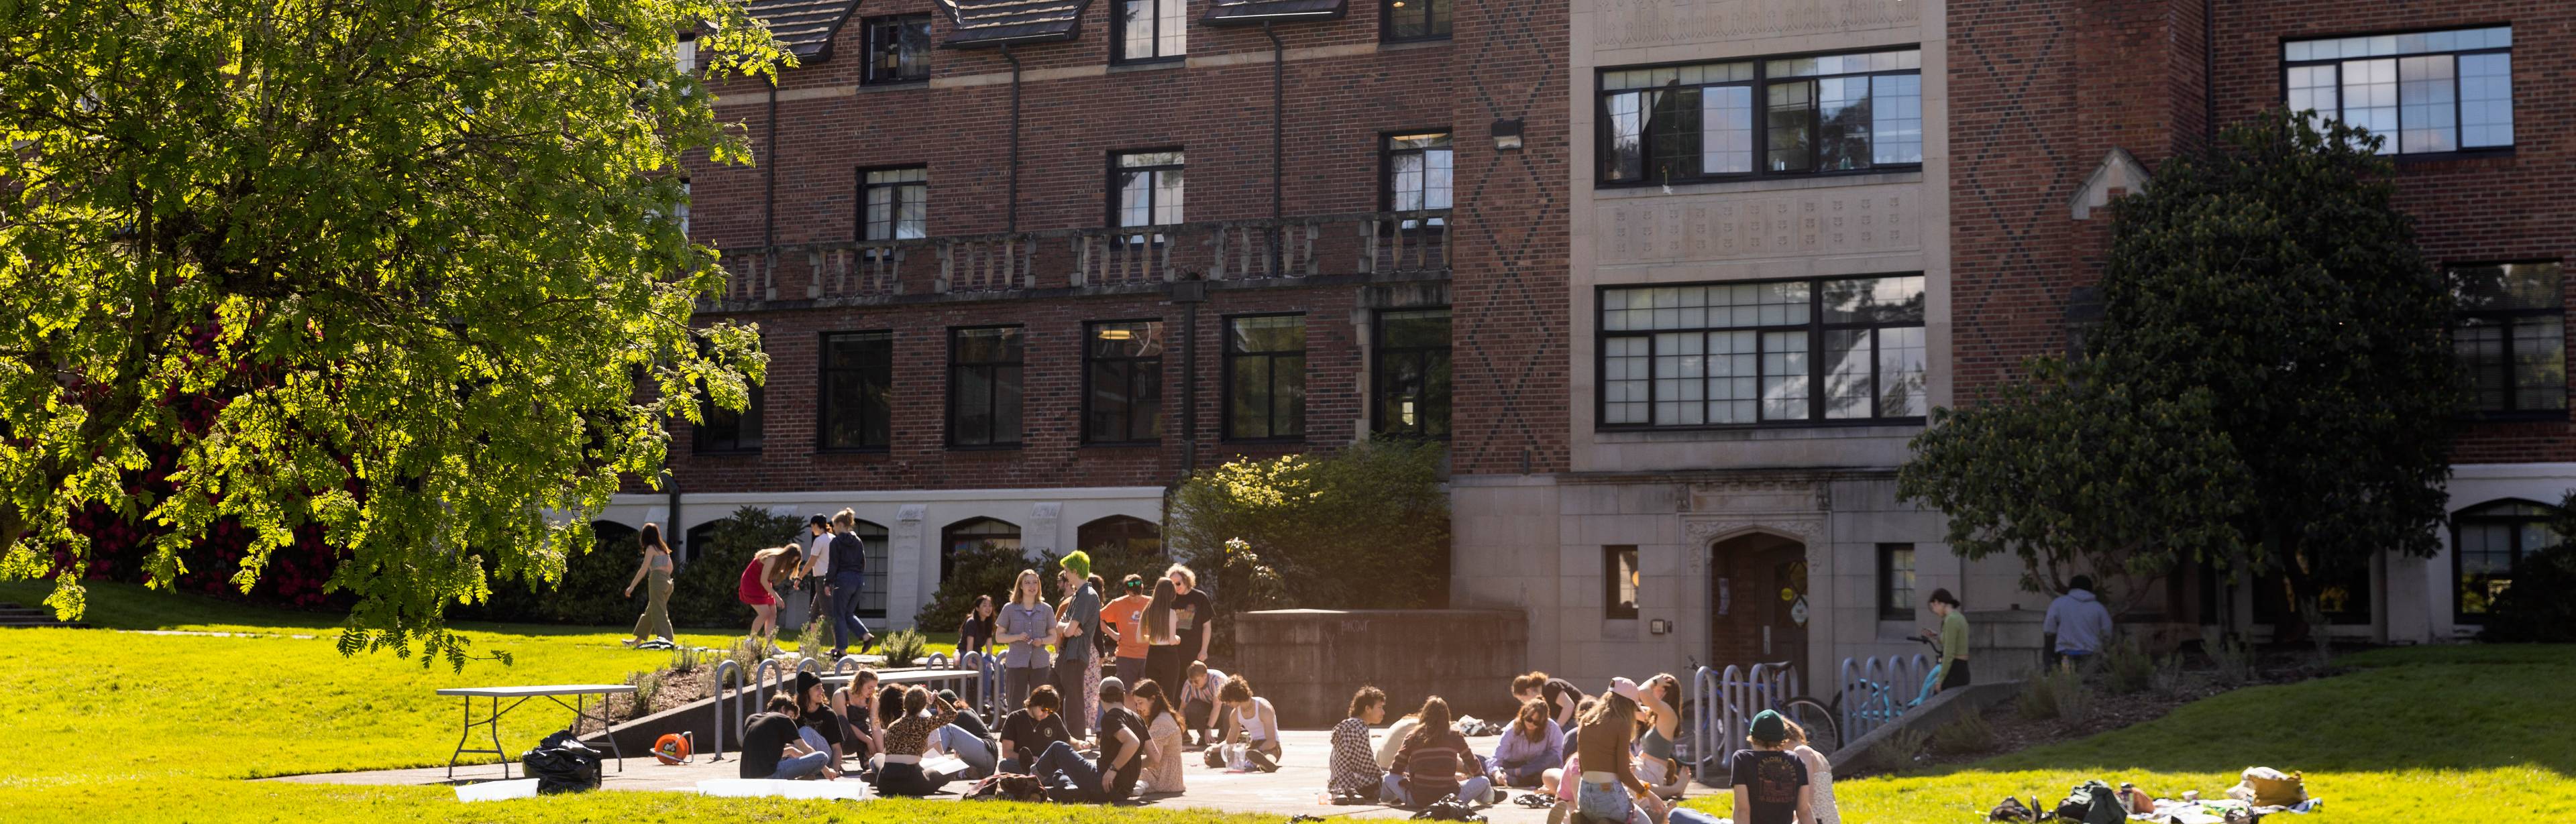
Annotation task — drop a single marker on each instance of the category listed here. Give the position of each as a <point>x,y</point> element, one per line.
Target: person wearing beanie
<point>1770,784</point>
<point>2078,625</point>
<point>816,724</point>
<point>1077,659</point>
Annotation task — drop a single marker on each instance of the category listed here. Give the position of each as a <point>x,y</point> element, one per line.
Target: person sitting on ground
<point>1033,728</point>
<point>1560,694</point>
<point>1530,747</point>
<point>1820,777</point>
<point>1256,726</point>
<point>1435,763</point>
<point>907,740</point>
<point>967,718</point>
<point>1656,765</point>
<point>1162,737</point>
<point>2078,624</point>
<point>1353,772</point>
<point>816,724</point>
<point>772,749</point>
<point>1393,743</point>
<point>1770,784</point>
<point>856,704</point>
<point>1202,714</point>
<point>971,744</point>
<point>1121,760</point>
<point>1607,787</point>
<point>1954,638</point>
<point>1552,780</point>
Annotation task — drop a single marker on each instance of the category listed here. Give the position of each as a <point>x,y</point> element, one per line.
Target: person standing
<point>1076,655</point>
<point>1194,612</point>
<point>817,577</point>
<point>655,574</point>
<point>976,632</point>
<point>760,580</point>
<point>1027,624</point>
<point>1126,620</point>
<point>1164,660</point>
<point>1954,639</point>
<point>2078,625</point>
<point>849,576</point>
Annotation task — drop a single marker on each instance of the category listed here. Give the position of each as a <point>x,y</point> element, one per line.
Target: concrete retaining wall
<point>1945,707</point>
<point>1309,661</point>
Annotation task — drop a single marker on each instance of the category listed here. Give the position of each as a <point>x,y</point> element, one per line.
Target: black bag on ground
<point>2092,802</point>
<point>562,764</point>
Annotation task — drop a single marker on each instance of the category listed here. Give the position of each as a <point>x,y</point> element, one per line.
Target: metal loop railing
<point>1873,691</point>
<point>1729,698</point>
<point>720,680</point>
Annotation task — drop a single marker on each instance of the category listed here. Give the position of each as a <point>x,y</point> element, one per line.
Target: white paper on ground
<point>943,765</point>
<point>497,790</point>
<point>853,790</point>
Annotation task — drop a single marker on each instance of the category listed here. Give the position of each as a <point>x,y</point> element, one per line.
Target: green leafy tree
<point>408,262</point>
<point>1364,528</point>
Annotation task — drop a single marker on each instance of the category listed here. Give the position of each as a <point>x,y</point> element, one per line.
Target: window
<point>1145,190</point>
<point>894,203</point>
<point>1120,532</point>
<point>725,431</point>
<point>1265,377</point>
<point>898,49</point>
<point>684,56</point>
<point>984,386</point>
<point>1123,382</point>
<point>1619,572</point>
<point>1418,168</point>
<point>1895,582</point>
<point>857,396</point>
<point>1411,378</point>
<point>2511,337</point>
<point>1416,20</point>
<point>974,534</point>
<point>1152,30</point>
<point>1780,352</point>
<point>2426,92</point>
<point>1835,113</point>
<point>2486,541</point>
<point>872,589</point>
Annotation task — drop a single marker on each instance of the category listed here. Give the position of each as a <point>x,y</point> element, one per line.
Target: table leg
<point>462,733</point>
<point>495,723</point>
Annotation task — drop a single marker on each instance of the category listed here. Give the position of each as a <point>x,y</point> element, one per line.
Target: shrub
<point>905,648</point>
<point>1897,750</point>
<point>2231,662</point>
<point>2128,668</point>
<point>813,640</point>
<point>1365,528</point>
<point>2536,609</point>
<point>687,659</point>
<point>647,685</point>
<point>703,591</point>
<point>1969,734</point>
<point>2057,693</point>
<point>590,593</point>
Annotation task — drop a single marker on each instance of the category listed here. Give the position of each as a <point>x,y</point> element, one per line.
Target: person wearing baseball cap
<point>1770,784</point>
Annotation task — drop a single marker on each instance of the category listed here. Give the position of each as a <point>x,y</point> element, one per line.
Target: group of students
<point>829,562</point>
<point>1155,637</point>
<point>1597,760</point>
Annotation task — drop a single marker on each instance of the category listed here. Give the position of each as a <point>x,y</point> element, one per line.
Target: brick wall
<point>1343,92</point>
<point>2042,90</point>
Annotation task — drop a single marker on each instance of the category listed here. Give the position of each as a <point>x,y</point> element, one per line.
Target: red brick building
<point>1021,265</point>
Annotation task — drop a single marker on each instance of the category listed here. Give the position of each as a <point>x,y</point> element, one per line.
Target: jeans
<point>1060,766</point>
<point>1472,791</point>
<point>1017,681</point>
<point>802,765</point>
<point>1524,774</point>
<point>1197,712</point>
<point>1686,815</point>
<point>1605,801</point>
<point>845,611</point>
<point>1072,683</point>
<point>1132,670</point>
<point>813,739</point>
<point>975,751</point>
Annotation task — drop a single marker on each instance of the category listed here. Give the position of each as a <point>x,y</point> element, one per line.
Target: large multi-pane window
<point>1779,352</point>
<point>723,431</point>
<point>898,49</point>
<point>1265,377</point>
<point>1800,115</point>
<point>857,398</point>
<point>1152,30</point>
<point>972,535</point>
<point>1410,384</point>
<point>894,204</point>
<point>1418,173</point>
<point>2511,337</point>
<point>1123,382</point>
<point>2486,541</point>
<point>1415,20</point>
<point>1145,190</point>
<point>2426,92</point>
<point>984,366</point>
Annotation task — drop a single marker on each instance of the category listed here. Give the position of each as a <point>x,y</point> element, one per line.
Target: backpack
<point>2011,809</point>
<point>2092,802</point>
<point>1008,787</point>
<point>562,764</point>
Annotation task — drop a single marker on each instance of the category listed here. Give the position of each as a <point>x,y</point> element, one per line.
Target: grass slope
<point>2423,735</point>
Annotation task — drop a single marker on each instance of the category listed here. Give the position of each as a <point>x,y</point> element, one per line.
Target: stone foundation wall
<point>1309,661</point>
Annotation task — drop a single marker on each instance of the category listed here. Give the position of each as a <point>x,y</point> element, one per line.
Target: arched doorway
<point>1135,536</point>
<point>1759,605</point>
<point>974,533</point>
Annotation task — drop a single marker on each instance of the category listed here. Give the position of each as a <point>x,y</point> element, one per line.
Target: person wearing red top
<point>760,580</point>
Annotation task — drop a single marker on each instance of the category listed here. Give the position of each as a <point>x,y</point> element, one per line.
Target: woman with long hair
<point>1027,624</point>
<point>1162,736</point>
<point>1165,663</point>
<point>1608,789</point>
<point>976,632</point>
<point>1655,762</point>
<point>760,579</point>
<point>1529,748</point>
<point>1436,763</point>
<point>655,574</point>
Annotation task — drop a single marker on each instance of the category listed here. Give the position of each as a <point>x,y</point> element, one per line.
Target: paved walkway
<point>1296,789</point>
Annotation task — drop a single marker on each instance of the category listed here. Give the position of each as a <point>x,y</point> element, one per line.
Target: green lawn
<point>2422,735</point>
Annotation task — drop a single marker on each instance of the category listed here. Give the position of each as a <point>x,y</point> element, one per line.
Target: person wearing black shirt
<point>772,749</point>
<point>849,575</point>
<point>1770,785</point>
<point>1032,729</point>
<point>1194,613</point>
<point>816,723</point>
<point>976,633</point>
<point>1122,758</point>
<point>1561,695</point>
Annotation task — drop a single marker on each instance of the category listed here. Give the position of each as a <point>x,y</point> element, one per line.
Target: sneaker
<point>1262,761</point>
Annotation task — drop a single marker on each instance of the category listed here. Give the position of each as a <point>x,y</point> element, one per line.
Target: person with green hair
<point>1076,658</point>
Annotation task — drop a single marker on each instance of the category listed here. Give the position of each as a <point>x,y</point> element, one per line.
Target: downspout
<point>2209,73</point>
<point>769,177</point>
<point>1011,213</point>
<point>1278,148</point>
<point>671,521</point>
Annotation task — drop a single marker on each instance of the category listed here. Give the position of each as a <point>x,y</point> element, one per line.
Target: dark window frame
<point>1089,359</point>
<point>1118,22</point>
<point>1758,86</point>
<point>1386,156</point>
<point>2516,551</point>
<point>894,220</point>
<point>702,442</point>
<point>1152,204</point>
<point>1611,610</point>
<point>1816,329</point>
<point>956,370</point>
<point>1439,22</point>
<point>1379,389</point>
<point>948,540</point>
<point>873,27</point>
<point>824,369</point>
<point>1226,389</point>
<point>2508,316</point>
<point>2398,154</point>
<point>878,549</point>
<point>1891,606</point>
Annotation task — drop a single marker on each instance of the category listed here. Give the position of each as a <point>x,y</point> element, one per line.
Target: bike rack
<point>725,668</point>
<point>1864,682</point>
<point>1736,694</point>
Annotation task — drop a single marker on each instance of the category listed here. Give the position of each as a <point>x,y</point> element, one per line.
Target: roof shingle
<point>996,22</point>
<point>1247,12</point>
<point>804,27</point>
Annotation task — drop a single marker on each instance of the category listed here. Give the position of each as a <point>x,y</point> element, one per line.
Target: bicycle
<point>1814,716</point>
<point>1879,706</point>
